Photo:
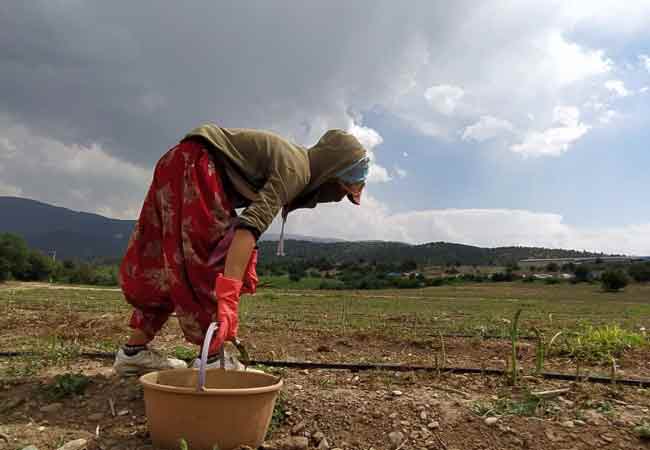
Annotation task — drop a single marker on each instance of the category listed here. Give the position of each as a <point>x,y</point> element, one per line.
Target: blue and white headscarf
<point>356,173</point>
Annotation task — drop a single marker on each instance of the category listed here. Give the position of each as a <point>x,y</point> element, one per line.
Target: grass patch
<point>527,406</point>
<point>279,416</point>
<point>184,353</point>
<point>643,431</point>
<point>67,385</point>
<point>600,343</point>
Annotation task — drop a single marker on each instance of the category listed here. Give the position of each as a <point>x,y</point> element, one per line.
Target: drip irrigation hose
<point>358,367</point>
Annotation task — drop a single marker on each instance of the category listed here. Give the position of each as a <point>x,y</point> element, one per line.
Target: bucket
<point>214,408</point>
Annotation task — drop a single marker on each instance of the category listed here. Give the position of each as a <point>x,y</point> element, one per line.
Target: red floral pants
<point>179,244</point>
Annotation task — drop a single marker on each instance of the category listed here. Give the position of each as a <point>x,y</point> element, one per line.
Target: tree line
<point>19,262</point>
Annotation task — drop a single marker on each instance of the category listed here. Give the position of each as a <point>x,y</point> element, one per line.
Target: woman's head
<point>339,167</point>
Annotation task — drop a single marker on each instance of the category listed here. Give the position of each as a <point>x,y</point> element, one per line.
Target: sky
<point>489,123</point>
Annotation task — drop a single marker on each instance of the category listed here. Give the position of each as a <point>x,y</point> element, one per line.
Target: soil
<point>352,410</point>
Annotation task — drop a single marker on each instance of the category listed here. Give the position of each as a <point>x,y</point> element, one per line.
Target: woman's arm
<point>239,254</point>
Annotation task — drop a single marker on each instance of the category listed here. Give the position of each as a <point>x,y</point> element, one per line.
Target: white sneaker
<point>144,361</point>
<point>232,363</point>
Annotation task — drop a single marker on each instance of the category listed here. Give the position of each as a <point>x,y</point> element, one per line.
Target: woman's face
<point>353,191</point>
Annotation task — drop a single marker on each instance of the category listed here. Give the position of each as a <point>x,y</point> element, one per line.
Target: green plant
<point>279,413</point>
<point>184,353</point>
<point>528,405</point>
<point>514,338</point>
<point>542,349</point>
<point>614,280</point>
<point>601,343</point>
<point>643,431</point>
<point>67,385</point>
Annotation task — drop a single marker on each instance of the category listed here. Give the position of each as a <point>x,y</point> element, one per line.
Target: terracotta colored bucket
<point>233,408</point>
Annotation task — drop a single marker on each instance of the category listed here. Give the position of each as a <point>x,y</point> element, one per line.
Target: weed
<point>184,353</point>
<point>514,337</point>
<point>526,406</point>
<point>643,431</point>
<point>67,385</point>
<point>279,413</point>
<point>600,344</point>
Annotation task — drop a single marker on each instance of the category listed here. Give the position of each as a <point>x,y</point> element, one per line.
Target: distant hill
<point>74,234</point>
<point>434,253</point>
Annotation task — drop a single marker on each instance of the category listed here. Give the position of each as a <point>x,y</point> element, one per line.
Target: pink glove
<point>227,290</point>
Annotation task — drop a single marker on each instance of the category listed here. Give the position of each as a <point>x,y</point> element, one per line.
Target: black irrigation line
<point>358,367</point>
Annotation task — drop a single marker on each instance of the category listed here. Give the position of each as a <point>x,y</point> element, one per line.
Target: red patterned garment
<point>179,245</point>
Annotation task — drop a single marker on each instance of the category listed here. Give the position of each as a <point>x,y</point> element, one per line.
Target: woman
<point>192,255</point>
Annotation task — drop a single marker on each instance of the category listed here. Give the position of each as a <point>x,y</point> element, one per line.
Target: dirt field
<point>375,409</point>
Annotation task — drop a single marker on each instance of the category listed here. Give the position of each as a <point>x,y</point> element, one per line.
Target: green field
<point>474,309</point>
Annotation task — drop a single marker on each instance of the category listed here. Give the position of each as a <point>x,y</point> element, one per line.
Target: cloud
<point>444,98</point>
<point>401,173</point>
<point>555,140</point>
<point>78,176</point>
<point>370,139</point>
<point>482,227</point>
<point>487,128</point>
<point>608,116</point>
<point>617,87</point>
<point>571,62</point>
<point>645,61</point>
<point>644,89</point>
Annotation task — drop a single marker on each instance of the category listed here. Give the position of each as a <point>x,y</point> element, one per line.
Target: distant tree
<point>582,274</point>
<point>5,269</point>
<point>409,265</point>
<point>640,272</point>
<point>513,266</point>
<point>568,267</point>
<point>296,272</point>
<point>614,280</point>
<point>14,250</point>
<point>552,267</point>
<point>39,267</point>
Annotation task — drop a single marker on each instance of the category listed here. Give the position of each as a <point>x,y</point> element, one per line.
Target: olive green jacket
<point>273,173</point>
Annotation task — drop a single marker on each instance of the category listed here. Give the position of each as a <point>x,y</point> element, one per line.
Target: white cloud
<point>571,62</point>
<point>645,61</point>
<point>405,154</point>
<point>617,87</point>
<point>10,191</point>
<point>486,128</point>
<point>444,98</point>
<point>94,180</point>
<point>370,139</point>
<point>608,116</point>
<point>555,140</point>
<point>644,89</point>
<point>401,173</point>
<point>482,227</point>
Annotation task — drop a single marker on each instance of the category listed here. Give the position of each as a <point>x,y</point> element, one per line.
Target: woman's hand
<point>228,287</point>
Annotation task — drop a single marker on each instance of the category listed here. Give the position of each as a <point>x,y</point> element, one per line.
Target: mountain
<point>434,253</point>
<point>74,234</point>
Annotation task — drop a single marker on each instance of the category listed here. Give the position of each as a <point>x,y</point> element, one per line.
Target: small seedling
<point>279,413</point>
<point>643,431</point>
<point>184,353</point>
<point>67,385</point>
<point>514,338</point>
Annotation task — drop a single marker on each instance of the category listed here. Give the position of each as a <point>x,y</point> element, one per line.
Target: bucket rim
<point>148,382</point>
